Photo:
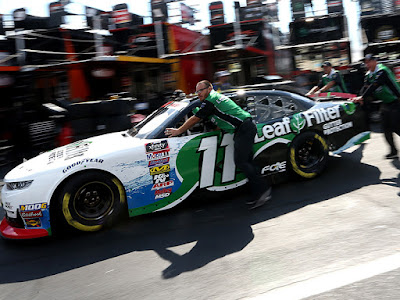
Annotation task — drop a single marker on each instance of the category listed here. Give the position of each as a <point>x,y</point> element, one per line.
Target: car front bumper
<point>10,232</point>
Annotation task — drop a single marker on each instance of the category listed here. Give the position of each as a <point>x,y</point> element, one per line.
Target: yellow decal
<point>159,169</point>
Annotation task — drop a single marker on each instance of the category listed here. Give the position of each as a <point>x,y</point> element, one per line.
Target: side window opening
<point>201,127</point>
<point>274,106</point>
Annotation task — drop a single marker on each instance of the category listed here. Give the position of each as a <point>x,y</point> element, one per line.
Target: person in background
<point>230,118</point>
<point>381,83</point>
<point>222,82</point>
<point>178,95</point>
<point>331,81</point>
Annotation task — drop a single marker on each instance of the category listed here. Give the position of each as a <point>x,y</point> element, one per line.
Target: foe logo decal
<point>157,146</point>
<point>274,168</point>
<point>159,169</point>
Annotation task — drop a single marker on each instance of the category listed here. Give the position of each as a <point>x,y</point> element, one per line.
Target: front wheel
<point>90,200</point>
<point>308,154</point>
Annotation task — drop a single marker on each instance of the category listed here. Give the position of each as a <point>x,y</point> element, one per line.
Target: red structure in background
<point>189,69</point>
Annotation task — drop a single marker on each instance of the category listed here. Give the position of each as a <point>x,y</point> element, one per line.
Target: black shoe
<point>266,196</point>
<point>391,155</point>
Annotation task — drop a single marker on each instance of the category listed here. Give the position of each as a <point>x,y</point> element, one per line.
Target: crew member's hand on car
<point>170,132</point>
<point>358,99</point>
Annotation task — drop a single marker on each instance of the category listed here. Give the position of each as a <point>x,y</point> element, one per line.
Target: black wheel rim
<point>93,201</point>
<point>310,154</point>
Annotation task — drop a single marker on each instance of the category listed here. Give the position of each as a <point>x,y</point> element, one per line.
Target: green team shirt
<point>381,84</point>
<point>339,86</point>
<point>222,111</point>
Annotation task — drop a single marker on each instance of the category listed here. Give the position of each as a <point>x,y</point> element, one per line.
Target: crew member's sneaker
<point>391,155</point>
<point>266,196</point>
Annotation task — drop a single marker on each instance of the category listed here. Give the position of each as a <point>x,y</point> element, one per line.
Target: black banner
<point>251,31</point>
<point>335,6</point>
<point>216,13</point>
<point>121,18</point>
<point>382,29</point>
<point>370,7</point>
<point>318,30</point>
<point>252,12</point>
<point>92,13</point>
<point>2,31</point>
<point>24,21</point>
<point>298,9</point>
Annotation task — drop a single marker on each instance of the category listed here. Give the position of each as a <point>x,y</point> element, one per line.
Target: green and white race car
<point>92,183</point>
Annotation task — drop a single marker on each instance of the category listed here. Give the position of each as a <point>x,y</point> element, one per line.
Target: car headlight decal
<point>18,185</point>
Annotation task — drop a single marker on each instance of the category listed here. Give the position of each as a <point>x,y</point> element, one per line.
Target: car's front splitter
<point>9,232</point>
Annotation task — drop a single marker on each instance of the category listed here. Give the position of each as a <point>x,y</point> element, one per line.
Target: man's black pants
<point>391,122</point>
<point>243,155</point>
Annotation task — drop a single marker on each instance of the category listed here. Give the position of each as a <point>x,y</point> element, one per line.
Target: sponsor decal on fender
<point>349,107</point>
<point>159,169</point>
<point>336,126</point>
<point>83,161</point>
<point>33,223</point>
<point>157,154</point>
<point>55,155</point>
<point>31,214</point>
<point>298,122</point>
<point>160,161</point>
<point>159,194</point>
<point>157,146</point>
<point>160,178</point>
<point>321,115</point>
<point>274,130</point>
<point>160,185</point>
<point>76,149</point>
<point>30,207</point>
<point>274,168</point>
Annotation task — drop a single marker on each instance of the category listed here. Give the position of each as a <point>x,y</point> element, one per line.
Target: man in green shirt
<point>331,81</point>
<point>231,118</point>
<point>381,83</point>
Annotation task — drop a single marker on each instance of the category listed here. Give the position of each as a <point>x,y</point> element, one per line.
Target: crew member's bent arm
<point>313,90</point>
<point>193,120</point>
<point>328,86</point>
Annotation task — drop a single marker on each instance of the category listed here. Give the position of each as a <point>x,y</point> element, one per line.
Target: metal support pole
<point>19,45</point>
<point>238,33</point>
<point>159,38</point>
<point>98,37</point>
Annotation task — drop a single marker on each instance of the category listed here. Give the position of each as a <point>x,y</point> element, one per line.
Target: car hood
<point>89,149</point>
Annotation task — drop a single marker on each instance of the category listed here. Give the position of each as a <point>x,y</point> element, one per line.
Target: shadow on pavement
<point>219,226</point>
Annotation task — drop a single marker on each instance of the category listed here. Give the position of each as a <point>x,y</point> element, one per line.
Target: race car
<point>92,183</point>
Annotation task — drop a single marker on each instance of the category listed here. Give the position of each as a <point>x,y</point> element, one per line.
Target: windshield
<point>158,119</point>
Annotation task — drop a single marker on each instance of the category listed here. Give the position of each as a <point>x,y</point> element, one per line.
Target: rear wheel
<point>90,200</point>
<point>308,154</point>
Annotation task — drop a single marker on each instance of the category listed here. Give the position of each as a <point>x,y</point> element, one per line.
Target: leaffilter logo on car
<point>297,123</point>
<point>349,107</point>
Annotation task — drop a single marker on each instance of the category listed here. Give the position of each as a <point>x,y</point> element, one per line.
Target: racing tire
<point>308,154</point>
<point>90,201</point>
